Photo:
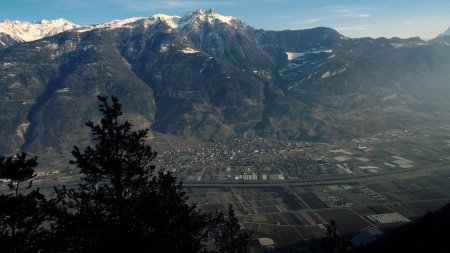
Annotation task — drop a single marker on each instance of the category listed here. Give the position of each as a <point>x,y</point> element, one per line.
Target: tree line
<point>123,203</point>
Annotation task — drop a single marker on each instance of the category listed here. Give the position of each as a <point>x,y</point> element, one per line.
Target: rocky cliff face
<point>209,76</point>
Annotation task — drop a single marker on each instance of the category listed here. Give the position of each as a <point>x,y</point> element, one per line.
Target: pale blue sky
<point>353,18</point>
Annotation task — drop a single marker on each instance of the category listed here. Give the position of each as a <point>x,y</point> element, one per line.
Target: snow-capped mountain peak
<point>192,19</point>
<point>134,22</point>
<point>199,16</point>
<point>29,31</point>
<point>23,31</point>
<point>172,21</point>
<point>117,23</point>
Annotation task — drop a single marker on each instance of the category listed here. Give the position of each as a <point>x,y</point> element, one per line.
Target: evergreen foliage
<point>22,216</point>
<point>332,241</point>
<point>230,238</point>
<point>123,203</point>
<point>17,169</point>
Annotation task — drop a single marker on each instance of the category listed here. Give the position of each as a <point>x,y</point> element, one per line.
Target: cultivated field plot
<point>348,221</point>
<point>414,210</point>
<point>358,198</point>
<point>311,232</point>
<point>299,213</point>
<point>370,210</point>
<point>212,199</point>
<point>312,200</point>
<point>292,214</point>
<point>283,235</point>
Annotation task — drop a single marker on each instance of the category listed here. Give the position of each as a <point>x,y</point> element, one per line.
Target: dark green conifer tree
<point>230,238</point>
<point>22,216</point>
<point>332,242</point>
<point>123,204</point>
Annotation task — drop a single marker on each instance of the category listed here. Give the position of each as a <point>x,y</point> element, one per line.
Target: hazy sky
<point>353,18</point>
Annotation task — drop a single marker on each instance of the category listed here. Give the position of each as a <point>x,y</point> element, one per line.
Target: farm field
<point>289,191</point>
<point>294,215</point>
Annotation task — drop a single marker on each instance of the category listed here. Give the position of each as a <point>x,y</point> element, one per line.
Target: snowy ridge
<point>193,18</point>
<point>125,23</point>
<point>199,16</point>
<point>446,33</point>
<point>24,31</point>
<point>172,21</point>
<point>29,31</point>
<point>134,22</point>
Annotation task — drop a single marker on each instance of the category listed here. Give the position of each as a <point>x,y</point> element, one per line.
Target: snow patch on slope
<point>164,48</point>
<point>329,74</point>
<point>189,50</point>
<point>293,55</point>
<point>393,96</point>
<point>298,55</point>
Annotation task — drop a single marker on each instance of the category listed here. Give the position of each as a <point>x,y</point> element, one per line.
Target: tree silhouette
<point>123,203</point>
<point>230,238</point>
<point>22,216</point>
<point>331,230</point>
<point>332,242</point>
<point>17,169</point>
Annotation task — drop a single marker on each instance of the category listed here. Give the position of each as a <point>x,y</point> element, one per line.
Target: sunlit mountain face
<point>208,77</point>
<point>295,128</point>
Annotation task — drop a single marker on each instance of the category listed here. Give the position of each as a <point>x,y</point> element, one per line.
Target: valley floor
<point>382,181</point>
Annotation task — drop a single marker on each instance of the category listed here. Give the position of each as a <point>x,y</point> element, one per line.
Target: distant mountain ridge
<point>446,33</point>
<point>23,31</point>
<point>28,31</point>
<point>206,76</point>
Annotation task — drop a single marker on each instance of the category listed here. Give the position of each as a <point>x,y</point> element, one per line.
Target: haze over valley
<point>293,128</point>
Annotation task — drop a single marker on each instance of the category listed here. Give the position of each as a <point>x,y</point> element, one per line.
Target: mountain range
<point>206,76</point>
<point>446,33</point>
